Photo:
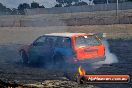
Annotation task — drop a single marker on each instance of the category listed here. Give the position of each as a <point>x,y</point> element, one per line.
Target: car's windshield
<point>83,41</point>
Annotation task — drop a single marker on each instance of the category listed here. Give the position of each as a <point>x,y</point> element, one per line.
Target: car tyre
<point>24,57</point>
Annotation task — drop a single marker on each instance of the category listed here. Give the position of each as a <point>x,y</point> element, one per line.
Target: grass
<point>28,34</point>
<point>69,15</point>
<point>22,35</point>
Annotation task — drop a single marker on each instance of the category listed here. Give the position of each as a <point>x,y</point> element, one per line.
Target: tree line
<point>20,9</point>
<point>60,3</point>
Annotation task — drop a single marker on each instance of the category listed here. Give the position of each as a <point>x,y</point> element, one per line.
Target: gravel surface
<point>12,71</point>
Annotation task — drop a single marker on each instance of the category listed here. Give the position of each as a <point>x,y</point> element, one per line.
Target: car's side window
<point>40,41</point>
<point>50,40</point>
<point>63,42</point>
<point>66,42</point>
<point>58,42</point>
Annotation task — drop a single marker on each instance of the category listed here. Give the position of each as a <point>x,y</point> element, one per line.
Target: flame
<point>81,70</point>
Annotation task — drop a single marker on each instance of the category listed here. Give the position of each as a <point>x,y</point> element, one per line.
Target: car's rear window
<point>83,41</point>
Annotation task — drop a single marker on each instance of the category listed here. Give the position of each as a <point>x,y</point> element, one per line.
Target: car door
<point>41,49</point>
<point>64,47</point>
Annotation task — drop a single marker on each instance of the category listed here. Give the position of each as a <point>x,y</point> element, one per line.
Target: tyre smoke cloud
<point>110,57</point>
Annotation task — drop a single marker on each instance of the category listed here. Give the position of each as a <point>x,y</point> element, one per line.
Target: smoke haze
<point>110,57</point>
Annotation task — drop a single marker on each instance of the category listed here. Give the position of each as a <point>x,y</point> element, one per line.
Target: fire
<point>81,70</point>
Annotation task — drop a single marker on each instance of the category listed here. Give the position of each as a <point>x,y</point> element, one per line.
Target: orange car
<point>61,48</point>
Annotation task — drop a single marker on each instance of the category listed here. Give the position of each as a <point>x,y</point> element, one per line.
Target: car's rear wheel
<point>24,57</point>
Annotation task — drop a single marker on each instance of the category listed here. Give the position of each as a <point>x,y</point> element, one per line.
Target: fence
<point>105,15</point>
<point>72,9</point>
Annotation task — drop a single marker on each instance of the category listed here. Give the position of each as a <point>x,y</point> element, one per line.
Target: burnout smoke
<point>110,57</point>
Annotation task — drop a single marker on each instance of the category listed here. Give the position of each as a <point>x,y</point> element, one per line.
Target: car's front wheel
<point>24,57</point>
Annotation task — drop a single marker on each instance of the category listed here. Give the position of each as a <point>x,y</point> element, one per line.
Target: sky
<point>15,3</point>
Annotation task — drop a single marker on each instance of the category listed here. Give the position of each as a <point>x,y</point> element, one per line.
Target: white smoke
<point>110,57</point>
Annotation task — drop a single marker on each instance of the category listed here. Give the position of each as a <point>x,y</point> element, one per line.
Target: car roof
<point>67,34</point>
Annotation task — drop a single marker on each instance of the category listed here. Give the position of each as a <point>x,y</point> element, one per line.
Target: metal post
<point>117,7</point>
<point>107,2</point>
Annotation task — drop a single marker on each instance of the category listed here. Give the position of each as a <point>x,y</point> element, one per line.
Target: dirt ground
<point>12,71</point>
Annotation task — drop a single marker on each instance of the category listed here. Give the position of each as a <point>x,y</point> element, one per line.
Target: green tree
<point>34,5</point>
<point>14,11</point>
<point>101,1</point>
<point>22,7</point>
<point>58,5</point>
<point>80,3</point>
<point>67,2</point>
<point>4,9</point>
<point>41,6</point>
